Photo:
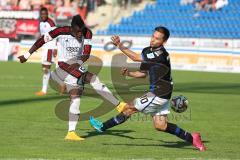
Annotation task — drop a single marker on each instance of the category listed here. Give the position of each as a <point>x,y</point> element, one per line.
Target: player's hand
<point>22,59</point>
<point>116,40</point>
<point>124,71</point>
<point>74,66</point>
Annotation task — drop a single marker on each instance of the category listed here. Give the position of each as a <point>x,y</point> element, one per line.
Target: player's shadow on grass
<point>30,100</point>
<point>178,144</point>
<point>52,96</point>
<point>182,145</point>
<point>118,133</point>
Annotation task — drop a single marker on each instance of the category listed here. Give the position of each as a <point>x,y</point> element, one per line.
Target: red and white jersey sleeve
<point>47,37</point>
<point>87,46</point>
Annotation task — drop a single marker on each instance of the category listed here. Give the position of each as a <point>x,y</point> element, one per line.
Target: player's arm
<point>87,46</point>
<point>132,55</point>
<point>42,40</point>
<point>23,58</point>
<point>38,44</point>
<point>136,74</point>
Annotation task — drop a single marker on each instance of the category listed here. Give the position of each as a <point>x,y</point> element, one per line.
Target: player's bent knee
<point>75,93</point>
<point>160,126</point>
<point>45,70</point>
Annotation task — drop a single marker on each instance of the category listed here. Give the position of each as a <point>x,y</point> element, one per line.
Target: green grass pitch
<point>30,129</point>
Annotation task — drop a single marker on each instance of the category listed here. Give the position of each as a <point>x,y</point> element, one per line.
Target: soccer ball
<point>179,104</point>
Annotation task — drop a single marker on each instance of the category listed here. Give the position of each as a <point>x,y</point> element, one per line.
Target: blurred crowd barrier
<point>218,55</point>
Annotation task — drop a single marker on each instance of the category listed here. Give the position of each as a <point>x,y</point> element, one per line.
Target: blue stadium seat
<point>181,20</point>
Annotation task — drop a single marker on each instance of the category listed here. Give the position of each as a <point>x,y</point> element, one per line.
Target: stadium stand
<point>181,20</point>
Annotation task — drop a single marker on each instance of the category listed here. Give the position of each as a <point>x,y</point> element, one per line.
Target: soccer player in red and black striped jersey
<point>74,47</point>
<point>49,50</point>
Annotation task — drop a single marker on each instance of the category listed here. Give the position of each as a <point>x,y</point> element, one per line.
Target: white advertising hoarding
<point>217,55</point>
<point>4,49</point>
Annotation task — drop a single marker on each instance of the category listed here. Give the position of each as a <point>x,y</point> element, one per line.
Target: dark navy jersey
<point>157,64</point>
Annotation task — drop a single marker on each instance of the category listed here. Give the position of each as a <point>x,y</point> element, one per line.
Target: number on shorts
<point>144,99</point>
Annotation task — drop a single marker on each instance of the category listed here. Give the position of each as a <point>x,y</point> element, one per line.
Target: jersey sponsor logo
<point>73,49</point>
<point>150,56</point>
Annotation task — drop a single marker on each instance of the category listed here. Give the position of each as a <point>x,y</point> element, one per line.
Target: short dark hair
<point>77,21</point>
<point>163,30</point>
<point>43,9</point>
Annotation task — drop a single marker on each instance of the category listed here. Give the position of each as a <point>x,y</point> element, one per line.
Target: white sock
<point>73,114</point>
<point>46,77</point>
<point>102,90</point>
<point>73,120</point>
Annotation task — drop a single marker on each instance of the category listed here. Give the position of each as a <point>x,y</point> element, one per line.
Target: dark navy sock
<point>119,119</point>
<point>175,130</point>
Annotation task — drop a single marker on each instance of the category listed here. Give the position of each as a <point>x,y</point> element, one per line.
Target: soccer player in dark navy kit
<point>155,62</point>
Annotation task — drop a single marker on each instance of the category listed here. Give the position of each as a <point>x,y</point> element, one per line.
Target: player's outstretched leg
<point>161,124</point>
<point>114,121</point>
<point>74,113</point>
<point>122,117</point>
<point>103,90</point>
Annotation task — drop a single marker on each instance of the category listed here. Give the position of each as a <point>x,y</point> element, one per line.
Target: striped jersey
<point>68,46</point>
